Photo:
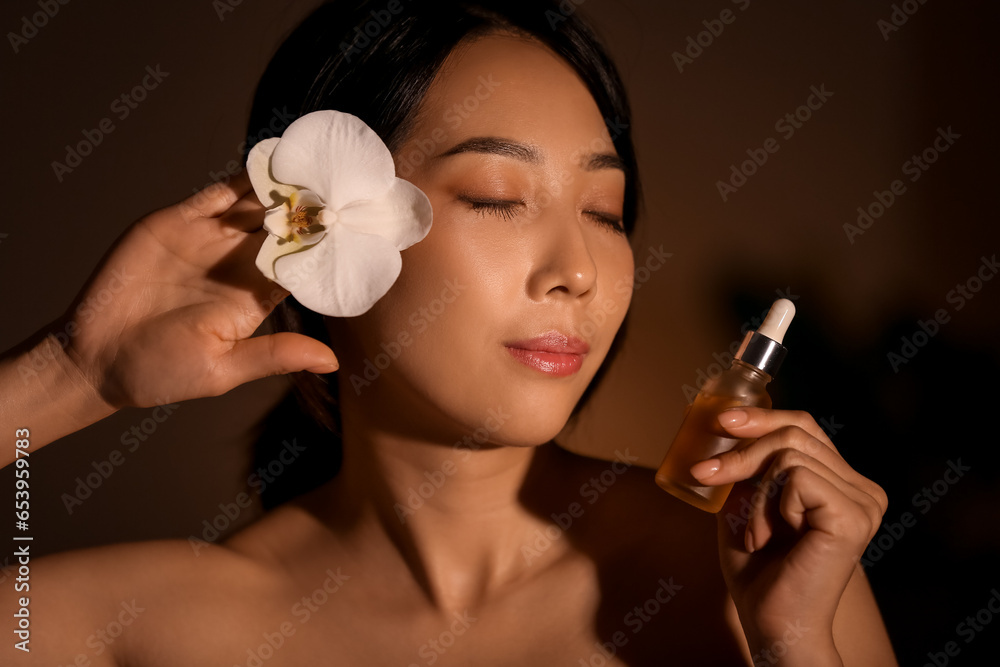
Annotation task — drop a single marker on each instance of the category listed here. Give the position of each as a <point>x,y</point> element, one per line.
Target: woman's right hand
<point>169,313</point>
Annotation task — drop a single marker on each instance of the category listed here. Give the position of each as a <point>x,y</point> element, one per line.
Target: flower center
<point>300,218</point>
<point>300,221</point>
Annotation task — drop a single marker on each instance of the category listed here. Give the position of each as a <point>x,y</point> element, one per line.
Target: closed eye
<point>508,209</point>
<point>499,208</point>
<point>610,220</point>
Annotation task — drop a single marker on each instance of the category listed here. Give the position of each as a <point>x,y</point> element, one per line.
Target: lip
<point>553,353</point>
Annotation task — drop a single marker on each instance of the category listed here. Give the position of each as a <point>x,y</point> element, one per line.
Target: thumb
<point>277,354</point>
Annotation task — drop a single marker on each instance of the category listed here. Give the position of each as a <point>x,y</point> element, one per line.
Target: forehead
<point>514,87</point>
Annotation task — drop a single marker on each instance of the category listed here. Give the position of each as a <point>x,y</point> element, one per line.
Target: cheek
<point>616,275</point>
<point>450,300</point>
<point>447,305</point>
<point>457,272</point>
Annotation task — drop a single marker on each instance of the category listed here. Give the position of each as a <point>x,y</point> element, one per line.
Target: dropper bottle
<point>701,436</point>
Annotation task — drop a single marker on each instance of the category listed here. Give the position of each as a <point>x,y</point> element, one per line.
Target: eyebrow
<point>599,161</point>
<point>495,146</point>
<point>526,153</point>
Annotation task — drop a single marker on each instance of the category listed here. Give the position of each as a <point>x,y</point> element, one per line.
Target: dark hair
<point>376,60</point>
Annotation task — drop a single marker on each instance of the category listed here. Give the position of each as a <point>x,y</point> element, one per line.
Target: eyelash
<point>502,209</point>
<point>505,210</point>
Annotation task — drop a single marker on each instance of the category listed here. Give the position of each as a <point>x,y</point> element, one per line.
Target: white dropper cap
<point>778,318</point>
<point>763,348</point>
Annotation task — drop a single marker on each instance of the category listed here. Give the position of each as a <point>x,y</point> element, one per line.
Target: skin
<point>525,553</point>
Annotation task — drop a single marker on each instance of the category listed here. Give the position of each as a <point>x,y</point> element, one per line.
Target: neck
<point>455,515</point>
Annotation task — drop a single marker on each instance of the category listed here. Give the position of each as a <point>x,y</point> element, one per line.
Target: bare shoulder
<point>656,558</point>
<point>103,606</point>
<point>623,497</point>
<point>614,509</point>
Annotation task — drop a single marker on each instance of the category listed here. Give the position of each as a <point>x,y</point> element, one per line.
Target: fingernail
<point>324,368</point>
<point>705,469</point>
<point>748,539</point>
<point>733,417</point>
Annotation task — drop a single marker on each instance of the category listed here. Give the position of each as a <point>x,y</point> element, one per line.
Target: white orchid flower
<point>337,217</point>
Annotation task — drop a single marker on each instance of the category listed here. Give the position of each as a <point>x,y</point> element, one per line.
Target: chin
<point>531,436</point>
<point>529,423</point>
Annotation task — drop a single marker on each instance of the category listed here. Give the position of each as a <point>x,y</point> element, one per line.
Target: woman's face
<point>526,242</point>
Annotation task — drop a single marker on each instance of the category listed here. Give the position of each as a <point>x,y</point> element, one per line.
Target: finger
<point>785,476</point>
<point>790,425</point>
<point>810,501</point>
<point>267,296</point>
<point>734,517</point>
<point>752,459</point>
<point>275,354</point>
<point>216,198</point>
<point>231,263</point>
<point>764,513</point>
<point>748,422</point>
<point>780,464</point>
<point>246,214</point>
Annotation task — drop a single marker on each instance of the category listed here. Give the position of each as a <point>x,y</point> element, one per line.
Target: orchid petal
<point>276,221</point>
<point>402,215</point>
<point>269,191</point>
<point>270,251</point>
<point>337,155</point>
<point>310,239</point>
<point>305,197</point>
<point>343,276</point>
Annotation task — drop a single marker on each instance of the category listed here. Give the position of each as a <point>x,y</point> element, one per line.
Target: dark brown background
<point>782,230</point>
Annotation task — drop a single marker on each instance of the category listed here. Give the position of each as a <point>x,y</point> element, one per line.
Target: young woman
<point>523,553</point>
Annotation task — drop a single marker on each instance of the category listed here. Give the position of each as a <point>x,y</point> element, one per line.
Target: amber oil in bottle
<point>743,384</point>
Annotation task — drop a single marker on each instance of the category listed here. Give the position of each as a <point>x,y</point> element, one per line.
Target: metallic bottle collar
<point>760,351</point>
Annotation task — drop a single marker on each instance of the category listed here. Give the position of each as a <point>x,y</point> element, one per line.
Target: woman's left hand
<point>789,547</point>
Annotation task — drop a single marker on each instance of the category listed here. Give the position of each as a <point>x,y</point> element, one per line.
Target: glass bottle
<point>700,435</point>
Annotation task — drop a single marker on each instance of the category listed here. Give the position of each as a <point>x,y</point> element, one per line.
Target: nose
<point>564,264</point>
